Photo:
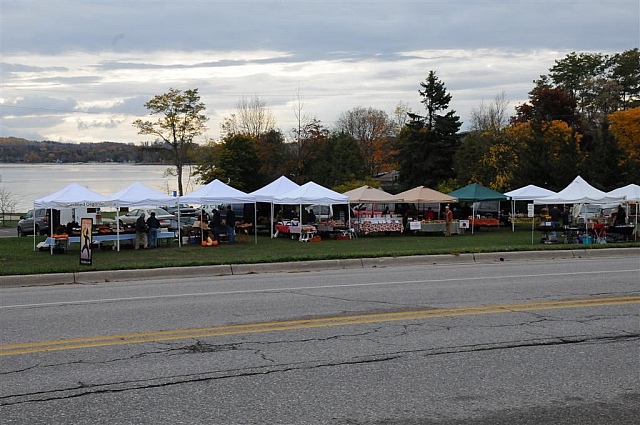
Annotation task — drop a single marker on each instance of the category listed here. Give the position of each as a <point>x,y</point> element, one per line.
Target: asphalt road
<point>503,343</point>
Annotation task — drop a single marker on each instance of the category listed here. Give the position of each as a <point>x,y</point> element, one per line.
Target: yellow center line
<point>136,338</point>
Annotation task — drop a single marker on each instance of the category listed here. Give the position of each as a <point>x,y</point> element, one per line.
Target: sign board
<point>86,255</point>
<point>415,225</point>
<point>530,211</point>
<point>463,224</point>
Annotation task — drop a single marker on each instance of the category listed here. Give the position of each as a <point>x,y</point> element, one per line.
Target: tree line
<point>18,150</point>
<point>582,117</point>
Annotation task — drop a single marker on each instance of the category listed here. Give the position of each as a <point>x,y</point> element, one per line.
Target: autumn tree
<point>427,144</point>
<point>400,117</point>
<point>485,156</point>
<point>371,128</point>
<point>546,154</point>
<point>625,127</point>
<point>181,119</point>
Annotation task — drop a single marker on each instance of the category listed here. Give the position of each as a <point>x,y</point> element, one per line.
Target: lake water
<point>28,182</point>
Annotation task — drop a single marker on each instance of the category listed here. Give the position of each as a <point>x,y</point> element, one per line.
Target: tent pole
<point>34,227</point>
<point>473,225</point>
<point>50,228</point>
<point>118,228</point>
<point>255,223</point>
<point>179,224</point>
<point>513,214</point>
<point>271,228</point>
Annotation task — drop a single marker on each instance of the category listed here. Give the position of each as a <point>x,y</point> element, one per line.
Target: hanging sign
<point>530,211</point>
<point>86,255</point>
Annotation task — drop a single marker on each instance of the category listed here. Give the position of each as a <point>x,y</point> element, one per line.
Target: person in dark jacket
<point>566,216</point>
<point>154,225</point>
<point>141,232</point>
<point>556,215</point>
<point>215,224</point>
<point>231,225</point>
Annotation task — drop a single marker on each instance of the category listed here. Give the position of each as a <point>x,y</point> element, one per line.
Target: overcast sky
<point>81,71</point>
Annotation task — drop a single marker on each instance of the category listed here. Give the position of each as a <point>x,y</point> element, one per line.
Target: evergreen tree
<point>427,144</point>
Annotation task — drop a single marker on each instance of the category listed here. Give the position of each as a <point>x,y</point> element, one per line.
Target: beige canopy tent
<point>424,195</point>
<point>368,194</point>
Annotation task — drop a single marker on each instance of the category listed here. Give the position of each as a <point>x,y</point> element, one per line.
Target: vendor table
<point>302,232</point>
<point>108,238</point>
<point>440,227</point>
<point>377,226</point>
<point>487,222</point>
<point>333,229</point>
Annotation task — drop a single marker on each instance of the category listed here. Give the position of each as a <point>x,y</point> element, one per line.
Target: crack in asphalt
<point>83,389</point>
<point>190,378</point>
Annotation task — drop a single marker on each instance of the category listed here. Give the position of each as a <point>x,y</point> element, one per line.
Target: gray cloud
<point>107,58</point>
<point>111,123</point>
<point>38,105</point>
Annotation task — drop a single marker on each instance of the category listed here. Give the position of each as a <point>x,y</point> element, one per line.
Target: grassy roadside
<point>18,257</point>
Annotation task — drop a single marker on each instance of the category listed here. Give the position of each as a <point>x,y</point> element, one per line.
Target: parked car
<point>25,225</point>
<point>186,210</point>
<point>167,220</point>
<point>373,210</point>
<point>222,209</point>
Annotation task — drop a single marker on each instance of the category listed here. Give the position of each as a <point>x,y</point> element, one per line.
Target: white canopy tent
<point>217,192</point>
<point>527,193</point>
<point>138,195</point>
<point>631,193</point>
<point>312,193</point>
<point>580,192</point>
<point>277,187</point>
<point>73,195</point>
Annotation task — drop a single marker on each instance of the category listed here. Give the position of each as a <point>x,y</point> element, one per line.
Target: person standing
<point>621,217</point>
<point>556,215</point>
<point>215,224</point>
<point>154,225</point>
<point>231,225</point>
<point>311,217</point>
<point>141,232</point>
<point>448,218</point>
<point>566,216</point>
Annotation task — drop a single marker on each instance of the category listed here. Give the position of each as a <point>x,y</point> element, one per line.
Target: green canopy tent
<point>476,193</point>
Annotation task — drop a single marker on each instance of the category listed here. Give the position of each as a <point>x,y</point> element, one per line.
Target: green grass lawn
<point>18,257</point>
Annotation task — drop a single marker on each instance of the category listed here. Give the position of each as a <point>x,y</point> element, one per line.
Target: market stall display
<point>101,238</point>
<point>377,225</point>
<point>486,222</point>
<point>476,193</point>
<point>332,228</point>
<point>434,226</point>
<point>294,230</point>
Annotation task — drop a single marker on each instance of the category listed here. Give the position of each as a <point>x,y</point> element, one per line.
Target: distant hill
<point>17,150</point>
